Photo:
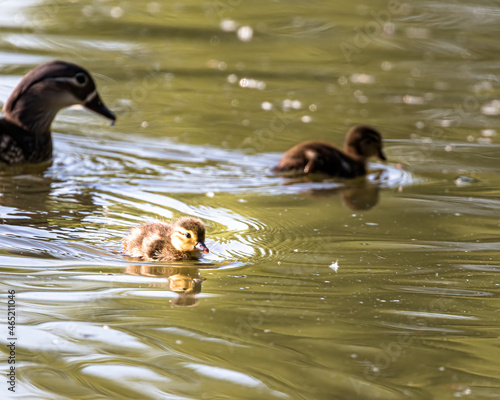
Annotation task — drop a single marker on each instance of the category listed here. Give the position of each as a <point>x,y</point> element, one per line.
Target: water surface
<point>314,289</point>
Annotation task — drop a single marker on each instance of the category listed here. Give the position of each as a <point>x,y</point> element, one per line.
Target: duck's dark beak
<point>201,247</point>
<point>381,155</point>
<point>95,104</point>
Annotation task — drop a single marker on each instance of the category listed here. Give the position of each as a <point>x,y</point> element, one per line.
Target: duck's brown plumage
<point>160,241</point>
<point>25,135</point>
<point>361,143</point>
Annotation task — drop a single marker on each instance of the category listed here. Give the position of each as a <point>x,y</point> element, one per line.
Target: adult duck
<point>25,135</point>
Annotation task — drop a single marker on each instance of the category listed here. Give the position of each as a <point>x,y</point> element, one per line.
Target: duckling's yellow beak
<point>201,247</point>
<point>381,155</point>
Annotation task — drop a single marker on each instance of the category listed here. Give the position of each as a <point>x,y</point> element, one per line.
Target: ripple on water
<point>445,292</point>
<point>167,166</point>
<point>234,377</point>
<point>163,167</point>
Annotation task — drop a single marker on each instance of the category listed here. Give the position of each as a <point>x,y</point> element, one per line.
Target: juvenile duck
<point>28,114</point>
<point>361,143</point>
<point>159,241</point>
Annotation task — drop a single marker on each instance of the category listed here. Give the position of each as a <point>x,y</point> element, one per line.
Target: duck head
<point>363,142</point>
<point>49,88</point>
<point>189,235</point>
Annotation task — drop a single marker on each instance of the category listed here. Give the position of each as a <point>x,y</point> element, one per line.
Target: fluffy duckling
<point>361,143</point>
<point>25,135</point>
<point>159,241</point>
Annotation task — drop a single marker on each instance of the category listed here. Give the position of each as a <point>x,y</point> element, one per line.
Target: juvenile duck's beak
<point>95,104</point>
<point>381,155</point>
<point>201,247</point>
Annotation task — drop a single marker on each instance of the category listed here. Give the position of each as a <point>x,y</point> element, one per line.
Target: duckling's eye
<point>81,78</point>
<point>188,235</point>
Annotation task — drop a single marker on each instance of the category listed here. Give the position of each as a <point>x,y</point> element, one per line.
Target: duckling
<point>159,241</point>
<point>361,143</point>
<point>25,135</point>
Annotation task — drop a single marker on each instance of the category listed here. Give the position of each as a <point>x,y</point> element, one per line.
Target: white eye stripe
<point>72,80</point>
<point>90,97</point>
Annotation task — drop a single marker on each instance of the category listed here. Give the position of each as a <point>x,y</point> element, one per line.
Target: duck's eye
<point>188,235</point>
<point>81,78</point>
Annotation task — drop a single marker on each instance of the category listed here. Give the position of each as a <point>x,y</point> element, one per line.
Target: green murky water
<point>208,94</point>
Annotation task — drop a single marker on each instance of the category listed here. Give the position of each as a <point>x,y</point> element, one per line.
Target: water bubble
<point>252,84</point>
<point>116,12</point>
<point>88,11</point>
<point>245,33</point>
<point>232,78</point>
<point>408,99</point>
<point>266,106</point>
<point>491,108</point>
<point>389,28</point>
<point>342,80</point>
<point>387,66</point>
<point>228,25</point>
<point>153,7</point>
<point>488,132</point>
<point>361,78</point>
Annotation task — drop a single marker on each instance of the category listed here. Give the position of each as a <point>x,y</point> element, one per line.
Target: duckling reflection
<point>360,197</point>
<point>357,197</point>
<point>185,281</point>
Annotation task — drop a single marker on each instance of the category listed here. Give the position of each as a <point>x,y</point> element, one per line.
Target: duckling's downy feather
<point>310,157</point>
<point>361,143</point>
<point>153,241</point>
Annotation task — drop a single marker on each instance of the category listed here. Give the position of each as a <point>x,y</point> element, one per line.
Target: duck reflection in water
<point>185,281</point>
<point>360,197</point>
<point>356,196</point>
<point>29,196</point>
